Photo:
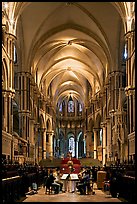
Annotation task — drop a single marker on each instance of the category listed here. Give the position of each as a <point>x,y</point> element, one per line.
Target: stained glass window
<point>71,106</point>
<point>101,136</point>
<point>60,108</point>
<point>80,107</point>
<point>15,55</point>
<point>72,146</point>
<point>125,52</point>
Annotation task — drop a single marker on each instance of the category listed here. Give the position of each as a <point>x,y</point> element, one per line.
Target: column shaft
<point>104,145</point>
<point>95,144</point>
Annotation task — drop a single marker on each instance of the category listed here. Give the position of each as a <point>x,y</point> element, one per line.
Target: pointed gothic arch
<point>48,125</point>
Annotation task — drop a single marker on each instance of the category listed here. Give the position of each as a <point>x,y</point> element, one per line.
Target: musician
<point>84,182</point>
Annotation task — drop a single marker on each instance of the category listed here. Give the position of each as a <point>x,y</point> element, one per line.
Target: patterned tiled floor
<point>99,196</point>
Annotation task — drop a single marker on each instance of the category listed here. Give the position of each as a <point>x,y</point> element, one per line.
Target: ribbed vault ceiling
<point>69,45</point>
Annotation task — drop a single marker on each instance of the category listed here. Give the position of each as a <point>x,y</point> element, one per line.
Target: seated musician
<point>57,180</point>
<point>80,184</point>
<point>50,182</point>
<point>84,183</point>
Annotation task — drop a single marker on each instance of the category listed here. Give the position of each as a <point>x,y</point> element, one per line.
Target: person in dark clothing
<point>86,179</point>
<point>115,184</point>
<point>80,185</point>
<point>94,174</point>
<point>45,177</point>
<point>84,183</point>
<point>51,182</point>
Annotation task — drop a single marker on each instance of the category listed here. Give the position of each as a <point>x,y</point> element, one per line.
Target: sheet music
<point>74,177</point>
<point>64,176</point>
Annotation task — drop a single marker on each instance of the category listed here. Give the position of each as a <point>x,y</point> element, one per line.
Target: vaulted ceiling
<point>69,46</point>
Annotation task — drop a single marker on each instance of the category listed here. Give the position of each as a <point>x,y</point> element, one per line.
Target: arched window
<point>80,107</point>
<point>72,146</point>
<point>60,107</point>
<point>125,54</point>
<point>100,136</point>
<point>15,55</point>
<point>71,106</point>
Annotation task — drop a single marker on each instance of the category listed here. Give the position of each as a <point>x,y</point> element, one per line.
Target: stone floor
<point>99,196</point>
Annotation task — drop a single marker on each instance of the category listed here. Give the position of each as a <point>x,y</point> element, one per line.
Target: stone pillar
<point>133,110</point>
<point>5,107</point>
<point>23,79</point>
<point>51,144</point>
<point>9,92</point>
<point>129,38</point>
<point>8,110</point>
<point>108,139</point>
<point>36,149</point>
<point>8,96</point>
<point>104,143</point>
<point>77,149</point>
<point>10,50</point>
<point>88,142</point>
<point>44,144</point>
<point>130,93</point>
<point>95,143</point>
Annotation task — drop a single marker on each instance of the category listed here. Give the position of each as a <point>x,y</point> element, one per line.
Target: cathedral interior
<point>68,81</point>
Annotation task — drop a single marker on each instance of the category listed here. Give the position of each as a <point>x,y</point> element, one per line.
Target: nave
<point>68,86</point>
<point>28,183</point>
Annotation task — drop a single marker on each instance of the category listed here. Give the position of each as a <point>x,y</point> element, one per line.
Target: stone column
<point>5,107</point>
<point>77,149</point>
<point>23,79</point>
<point>8,96</point>
<point>130,93</point>
<point>129,37</point>
<point>134,110</point>
<point>44,143</point>
<point>51,144</point>
<point>108,139</point>
<point>10,50</point>
<point>36,153</point>
<point>95,143</point>
<point>8,109</point>
<point>88,142</point>
<point>104,143</point>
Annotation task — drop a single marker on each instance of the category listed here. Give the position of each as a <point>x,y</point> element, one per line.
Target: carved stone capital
<point>103,124</point>
<point>9,93</point>
<point>130,90</point>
